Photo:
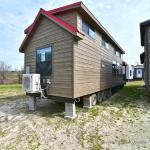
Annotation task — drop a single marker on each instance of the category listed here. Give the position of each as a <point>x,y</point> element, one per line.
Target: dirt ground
<point>121,122</point>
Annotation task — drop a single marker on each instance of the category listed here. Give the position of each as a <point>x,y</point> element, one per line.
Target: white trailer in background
<point>129,72</point>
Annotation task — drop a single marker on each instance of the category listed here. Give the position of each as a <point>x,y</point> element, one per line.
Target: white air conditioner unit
<point>31,83</point>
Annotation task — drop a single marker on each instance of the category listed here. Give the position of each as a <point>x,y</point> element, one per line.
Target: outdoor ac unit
<point>31,83</point>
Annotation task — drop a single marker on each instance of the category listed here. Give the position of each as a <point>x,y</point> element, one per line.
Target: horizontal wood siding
<point>147,57</point>
<point>68,16</point>
<point>48,32</point>
<point>89,76</point>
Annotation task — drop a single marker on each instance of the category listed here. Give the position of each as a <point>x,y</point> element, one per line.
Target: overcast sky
<point>120,18</point>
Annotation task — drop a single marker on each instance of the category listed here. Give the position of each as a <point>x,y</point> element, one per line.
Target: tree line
<point>6,73</point>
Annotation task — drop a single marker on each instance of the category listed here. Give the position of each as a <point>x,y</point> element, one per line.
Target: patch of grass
<point>10,90</point>
<point>3,133</point>
<point>10,86</point>
<point>94,111</point>
<point>97,147</point>
<point>123,141</point>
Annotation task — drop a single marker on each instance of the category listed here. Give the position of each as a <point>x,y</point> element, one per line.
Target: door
<point>139,73</point>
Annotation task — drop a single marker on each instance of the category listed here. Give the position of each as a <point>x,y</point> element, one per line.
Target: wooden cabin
<point>145,56</point>
<point>71,48</point>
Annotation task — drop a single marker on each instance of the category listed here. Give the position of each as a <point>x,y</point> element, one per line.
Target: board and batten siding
<point>47,32</point>
<point>89,56</point>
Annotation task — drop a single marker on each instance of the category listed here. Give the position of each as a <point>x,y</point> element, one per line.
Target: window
<point>114,68</point>
<point>117,69</point>
<point>44,61</point>
<point>105,44</point>
<point>88,30</point>
<point>130,73</point>
<point>118,53</point>
<point>139,71</point>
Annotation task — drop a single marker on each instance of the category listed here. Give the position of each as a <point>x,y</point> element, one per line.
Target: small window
<point>88,30</point>
<point>85,28</point>
<point>139,71</point>
<point>130,73</point>
<point>92,33</point>
<point>118,53</point>
<point>44,61</point>
<point>114,66</point>
<point>105,44</point>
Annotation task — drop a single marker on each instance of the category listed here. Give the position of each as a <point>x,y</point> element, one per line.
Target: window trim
<point>42,47</point>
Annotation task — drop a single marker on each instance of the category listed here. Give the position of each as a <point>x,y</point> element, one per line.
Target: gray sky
<point>120,18</point>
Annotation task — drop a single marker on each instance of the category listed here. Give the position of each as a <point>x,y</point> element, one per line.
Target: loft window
<point>118,54</point>
<point>88,30</point>
<point>44,61</point>
<point>105,44</point>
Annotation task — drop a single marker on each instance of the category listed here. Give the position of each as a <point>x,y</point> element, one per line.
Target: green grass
<point>10,90</point>
<point>10,86</point>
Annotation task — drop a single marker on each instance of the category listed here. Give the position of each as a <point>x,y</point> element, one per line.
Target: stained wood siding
<point>89,76</point>
<point>69,16</point>
<point>147,56</point>
<point>48,32</point>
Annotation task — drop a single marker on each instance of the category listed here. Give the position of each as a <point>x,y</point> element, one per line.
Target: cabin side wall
<point>93,65</point>
<point>147,56</point>
<point>47,32</point>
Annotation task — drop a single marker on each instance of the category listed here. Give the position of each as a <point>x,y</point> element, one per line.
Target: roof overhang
<point>78,35</point>
<point>143,25</point>
<point>85,11</point>
<point>124,63</point>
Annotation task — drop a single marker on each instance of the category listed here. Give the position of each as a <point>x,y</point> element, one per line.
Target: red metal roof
<point>65,7</point>
<point>56,10</point>
<point>64,24</point>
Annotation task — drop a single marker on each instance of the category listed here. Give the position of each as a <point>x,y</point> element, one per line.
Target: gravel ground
<point>111,125</point>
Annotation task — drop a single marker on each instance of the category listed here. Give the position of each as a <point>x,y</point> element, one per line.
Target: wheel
<point>109,93</point>
<point>94,99</point>
<point>104,93</point>
<point>99,97</point>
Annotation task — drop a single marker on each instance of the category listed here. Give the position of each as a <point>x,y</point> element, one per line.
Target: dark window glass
<point>105,44</point>
<point>85,28</point>
<point>91,33</point>
<point>114,67</point>
<point>44,61</point>
<point>88,30</point>
<point>130,73</point>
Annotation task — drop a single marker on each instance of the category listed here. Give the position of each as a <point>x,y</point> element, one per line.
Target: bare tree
<point>4,68</point>
<point>19,74</point>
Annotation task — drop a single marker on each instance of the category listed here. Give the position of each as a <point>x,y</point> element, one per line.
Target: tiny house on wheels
<point>74,55</point>
<point>138,72</point>
<point>129,72</point>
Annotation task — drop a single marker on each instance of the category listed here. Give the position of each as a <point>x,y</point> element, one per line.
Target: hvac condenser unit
<point>31,83</point>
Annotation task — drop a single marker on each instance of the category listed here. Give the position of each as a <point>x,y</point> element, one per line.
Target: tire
<point>109,93</point>
<point>99,97</point>
<point>104,93</point>
<point>94,99</point>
